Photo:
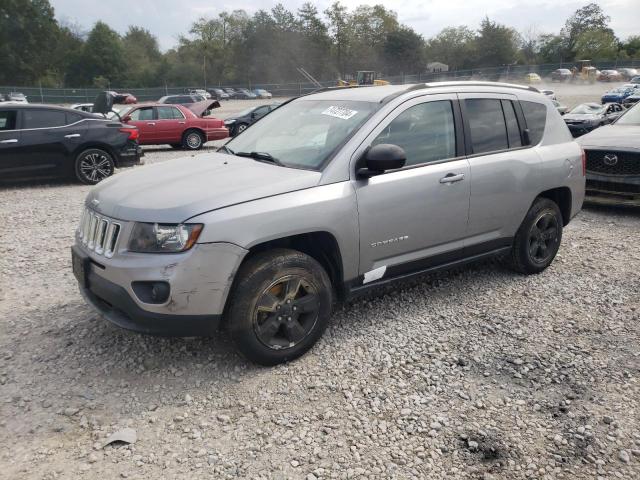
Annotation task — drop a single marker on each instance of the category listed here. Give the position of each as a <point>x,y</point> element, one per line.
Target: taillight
<point>134,134</point>
<point>584,163</point>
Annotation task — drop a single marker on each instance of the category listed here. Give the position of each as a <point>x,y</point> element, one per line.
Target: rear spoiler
<point>200,108</point>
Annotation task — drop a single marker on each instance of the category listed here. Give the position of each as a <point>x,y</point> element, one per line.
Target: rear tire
<point>538,238</point>
<point>192,140</point>
<point>279,307</point>
<point>93,165</point>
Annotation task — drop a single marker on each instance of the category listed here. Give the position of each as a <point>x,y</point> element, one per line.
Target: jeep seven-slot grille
<point>613,163</point>
<point>99,233</point>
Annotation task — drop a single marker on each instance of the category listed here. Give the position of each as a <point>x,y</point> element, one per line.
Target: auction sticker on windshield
<point>339,112</point>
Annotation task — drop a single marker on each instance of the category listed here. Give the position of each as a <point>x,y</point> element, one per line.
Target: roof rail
<point>462,83</point>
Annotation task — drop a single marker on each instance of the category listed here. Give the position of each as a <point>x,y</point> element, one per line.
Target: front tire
<point>93,165</point>
<point>538,239</point>
<point>280,306</point>
<point>192,140</point>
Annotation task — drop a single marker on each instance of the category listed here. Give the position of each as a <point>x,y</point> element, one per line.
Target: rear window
<point>535,115</point>
<point>35,118</point>
<point>8,119</point>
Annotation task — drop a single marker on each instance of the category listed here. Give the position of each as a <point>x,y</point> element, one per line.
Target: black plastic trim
<point>117,306</point>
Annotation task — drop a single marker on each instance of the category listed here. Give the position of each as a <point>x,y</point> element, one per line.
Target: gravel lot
<point>478,373</point>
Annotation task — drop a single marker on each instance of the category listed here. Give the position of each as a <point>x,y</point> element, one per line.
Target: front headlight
<point>163,238</point>
<point>229,122</point>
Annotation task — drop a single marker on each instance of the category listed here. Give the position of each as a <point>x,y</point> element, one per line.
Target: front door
<point>143,118</point>
<point>415,217</point>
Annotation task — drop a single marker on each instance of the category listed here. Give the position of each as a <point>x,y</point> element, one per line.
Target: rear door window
<point>486,124</point>
<point>8,119</point>
<point>513,129</point>
<point>41,118</point>
<point>169,113</point>
<point>535,114</point>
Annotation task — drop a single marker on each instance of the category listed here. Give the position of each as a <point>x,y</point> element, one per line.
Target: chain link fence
<point>510,73</point>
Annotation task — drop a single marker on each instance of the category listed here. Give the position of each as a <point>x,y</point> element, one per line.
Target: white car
<point>201,92</point>
<point>17,97</point>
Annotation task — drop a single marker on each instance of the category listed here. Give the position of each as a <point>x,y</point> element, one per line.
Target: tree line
<point>269,46</point>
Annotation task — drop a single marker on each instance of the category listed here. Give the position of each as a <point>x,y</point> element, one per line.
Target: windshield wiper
<point>261,156</point>
<point>226,149</point>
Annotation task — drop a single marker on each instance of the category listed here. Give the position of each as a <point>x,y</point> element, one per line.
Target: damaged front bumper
<point>199,281</point>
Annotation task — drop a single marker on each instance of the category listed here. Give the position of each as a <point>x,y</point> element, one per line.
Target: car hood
<point>582,117</point>
<point>199,108</point>
<point>176,190</point>
<point>612,137</point>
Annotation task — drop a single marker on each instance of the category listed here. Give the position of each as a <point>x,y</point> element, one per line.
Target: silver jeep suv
<point>327,196</point>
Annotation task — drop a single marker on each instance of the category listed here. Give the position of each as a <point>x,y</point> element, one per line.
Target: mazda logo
<point>610,159</point>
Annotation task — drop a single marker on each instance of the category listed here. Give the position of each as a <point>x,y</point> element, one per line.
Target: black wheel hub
<point>286,312</point>
<point>543,237</point>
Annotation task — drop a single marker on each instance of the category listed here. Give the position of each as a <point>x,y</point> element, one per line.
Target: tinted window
<point>535,115</point>
<point>142,114</point>
<point>33,118</point>
<point>168,113</point>
<point>261,111</point>
<point>426,132</point>
<point>8,119</point>
<point>487,125</point>
<point>513,130</point>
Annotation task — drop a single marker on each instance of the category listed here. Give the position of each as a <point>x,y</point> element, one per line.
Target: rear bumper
<point>129,156</point>
<point>217,133</point>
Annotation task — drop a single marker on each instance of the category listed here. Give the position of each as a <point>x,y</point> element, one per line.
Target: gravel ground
<point>477,373</point>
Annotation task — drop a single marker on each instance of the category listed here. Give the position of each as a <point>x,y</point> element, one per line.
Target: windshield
<point>588,109</point>
<point>630,117</point>
<point>304,133</point>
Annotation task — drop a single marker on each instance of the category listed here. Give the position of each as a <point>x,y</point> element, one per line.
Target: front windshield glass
<point>630,117</point>
<point>304,133</point>
<point>588,109</point>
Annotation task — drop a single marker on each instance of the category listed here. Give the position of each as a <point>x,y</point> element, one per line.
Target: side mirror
<point>126,118</point>
<point>382,157</point>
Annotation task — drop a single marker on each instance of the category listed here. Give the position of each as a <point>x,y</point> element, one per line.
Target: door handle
<point>72,135</point>
<point>11,140</point>
<point>452,178</point>
<point>182,123</point>
<point>152,123</point>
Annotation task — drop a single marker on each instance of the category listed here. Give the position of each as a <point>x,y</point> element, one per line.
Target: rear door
<point>170,124</point>
<point>144,119</point>
<point>11,161</point>
<point>504,172</point>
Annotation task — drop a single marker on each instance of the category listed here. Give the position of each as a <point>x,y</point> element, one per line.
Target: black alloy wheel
<point>93,166</point>
<point>286,312</point>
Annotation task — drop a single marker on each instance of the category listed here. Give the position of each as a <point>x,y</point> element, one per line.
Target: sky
<point>168,19</point>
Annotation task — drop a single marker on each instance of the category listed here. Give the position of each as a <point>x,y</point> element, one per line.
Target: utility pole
<point>204,68</point>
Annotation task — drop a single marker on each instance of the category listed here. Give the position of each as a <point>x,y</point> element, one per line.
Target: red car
<point>180,126</point>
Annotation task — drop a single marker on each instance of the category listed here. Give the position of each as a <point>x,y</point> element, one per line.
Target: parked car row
<point>13,97</point>
<point>619,94</point>
<point>608,75</point>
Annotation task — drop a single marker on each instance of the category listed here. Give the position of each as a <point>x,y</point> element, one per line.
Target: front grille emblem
<point>610,159</point>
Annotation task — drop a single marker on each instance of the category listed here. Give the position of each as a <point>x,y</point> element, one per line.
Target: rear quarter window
<point>36,118</point>
<point>535,114</point>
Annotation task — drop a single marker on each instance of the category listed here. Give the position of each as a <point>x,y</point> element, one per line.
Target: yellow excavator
<point>363,77</point>
<point>584,72</point>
